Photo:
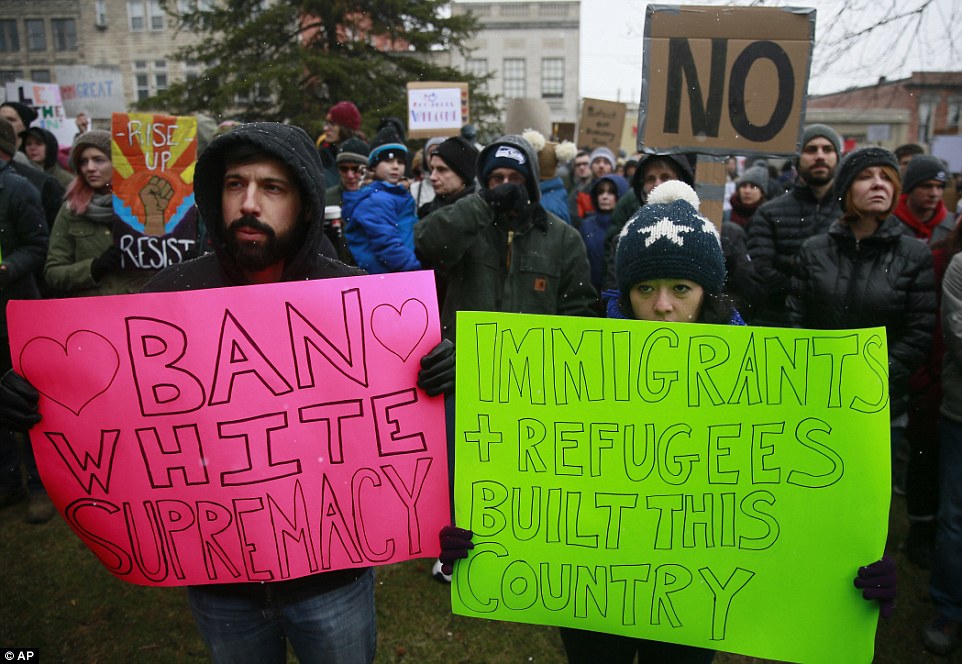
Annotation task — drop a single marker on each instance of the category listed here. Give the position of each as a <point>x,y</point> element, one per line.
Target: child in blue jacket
<point>380,217</point>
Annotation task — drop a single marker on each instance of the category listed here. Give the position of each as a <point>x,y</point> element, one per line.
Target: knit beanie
<point>857,161</point>
<point>346,114</point>
<point>668,239</point>
<point>95,138</point>
<point>506,155</point>
<point>352,150</point>
<point>756,175</point>
<point>550,154</point>
<point>386,145</point>
<point>27,114</point>
<point>922,168</point>
<point>811,131</point>
<point>603,153</point>
<point>8,137</point>
<point>460,156</point>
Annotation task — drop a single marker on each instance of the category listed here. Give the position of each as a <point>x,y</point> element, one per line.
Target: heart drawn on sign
<point>71,374</point>
<point>400,331</point>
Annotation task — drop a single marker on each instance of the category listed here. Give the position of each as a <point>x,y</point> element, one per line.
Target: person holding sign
<point>670,269</point>
<point>82,259</point>
<point>865,272</point>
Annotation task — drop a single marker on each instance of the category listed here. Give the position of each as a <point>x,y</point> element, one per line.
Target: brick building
<point>889,113</point>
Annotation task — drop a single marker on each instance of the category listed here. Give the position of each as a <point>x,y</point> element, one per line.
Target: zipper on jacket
<point>508,257</point>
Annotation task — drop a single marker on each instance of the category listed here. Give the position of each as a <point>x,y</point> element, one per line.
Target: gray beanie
<point>811,131</point>
<point>95,138</point>
<point>922,168</point>
<point>857,161</point>
<point>353,150</point>
<point>756,175</point>
<point>603,153</point>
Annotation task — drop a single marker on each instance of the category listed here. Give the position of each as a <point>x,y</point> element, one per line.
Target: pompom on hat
<point>669,239</point>
<point>550,154</point>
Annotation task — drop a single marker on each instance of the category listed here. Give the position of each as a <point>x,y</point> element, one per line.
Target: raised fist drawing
<point>155,195</point>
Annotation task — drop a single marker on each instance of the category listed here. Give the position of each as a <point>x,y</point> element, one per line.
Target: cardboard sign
<point>715,486</point>
<point>256,433</point>
<point>45,99</point>
<point>601,125</point>
<point>97,90</point>
<point>437,108</point>
<point>723,80</point>
<point>153,185</point>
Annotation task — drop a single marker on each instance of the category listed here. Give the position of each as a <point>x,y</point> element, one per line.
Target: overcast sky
<point>612,33</point>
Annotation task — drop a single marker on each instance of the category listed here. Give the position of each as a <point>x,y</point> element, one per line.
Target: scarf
<point>101,208</point>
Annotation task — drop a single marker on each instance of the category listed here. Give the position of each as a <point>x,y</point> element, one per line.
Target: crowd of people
<point>524,224</point>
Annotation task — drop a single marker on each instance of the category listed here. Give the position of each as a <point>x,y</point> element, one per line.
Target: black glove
<point>506,197</point>
<point>455,543</point>
<point>109,261</point>
<point>436,375</point>
<point>878,582</point>
<point>18,402</point>
<point>6,276</point>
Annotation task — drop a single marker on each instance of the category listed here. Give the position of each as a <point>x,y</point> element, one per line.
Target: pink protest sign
<point>256,433</point>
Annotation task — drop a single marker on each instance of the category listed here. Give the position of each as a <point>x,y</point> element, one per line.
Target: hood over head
<point>680,161</point>
<point>288,144</point>
<point>53,146</point>
<point>621,186</point>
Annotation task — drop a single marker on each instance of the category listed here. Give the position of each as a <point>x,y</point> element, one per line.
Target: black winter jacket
<point>775,234</point>
<point>885,280</point>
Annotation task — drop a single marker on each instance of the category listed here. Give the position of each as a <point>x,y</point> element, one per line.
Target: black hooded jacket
<point>314,257</point>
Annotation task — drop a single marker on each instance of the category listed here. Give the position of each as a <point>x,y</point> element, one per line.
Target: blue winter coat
<point>379,227</point>
<point>595,227</point>
<point>554,198</point>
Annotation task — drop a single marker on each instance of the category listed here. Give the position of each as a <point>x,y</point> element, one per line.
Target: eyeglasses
<point>345,169</point>
<point>514,178</point>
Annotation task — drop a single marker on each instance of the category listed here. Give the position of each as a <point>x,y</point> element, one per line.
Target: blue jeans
<point>946,581</point>
<point>332,627</point>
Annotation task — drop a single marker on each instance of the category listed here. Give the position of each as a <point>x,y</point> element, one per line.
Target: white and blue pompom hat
<point>669,239</point>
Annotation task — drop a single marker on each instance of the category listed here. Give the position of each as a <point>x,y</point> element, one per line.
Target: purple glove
<point>455,543</point>
<point>878,582</point>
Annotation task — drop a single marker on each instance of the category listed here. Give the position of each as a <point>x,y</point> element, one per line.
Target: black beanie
<point>352,150</point>
<point>857,161</point>
<point>27,114</point>
<point>460,156</point>
<point>922,168</point>
<point>386,145</point>
<point>668,239</point>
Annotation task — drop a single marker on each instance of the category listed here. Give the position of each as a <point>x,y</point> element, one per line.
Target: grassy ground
<point>55,596</point>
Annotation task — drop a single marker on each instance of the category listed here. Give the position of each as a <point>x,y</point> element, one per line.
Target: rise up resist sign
<point>257,433</point>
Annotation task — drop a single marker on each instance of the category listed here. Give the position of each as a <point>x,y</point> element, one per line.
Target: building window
<point>100,13</point>
<point>36,34</point>
<point>64,34</point>
<point>136,17</point>
<point>160,76</point>
<point>552,78</point>
<point>156,15</point>
<point>477,67</point>
<point>9,37</point>
<point>141,80</point>
<point>10,75</point>
<point>926,118</point>
<point>953,115</point>
<point>519,10</point>
<point>513,77</point>
<point>40,75</point>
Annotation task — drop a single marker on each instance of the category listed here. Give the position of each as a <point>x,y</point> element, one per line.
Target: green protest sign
<point>715,486</point>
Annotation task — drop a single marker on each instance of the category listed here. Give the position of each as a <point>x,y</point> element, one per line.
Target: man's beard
<point>818,180</point>
<point>258,255</point>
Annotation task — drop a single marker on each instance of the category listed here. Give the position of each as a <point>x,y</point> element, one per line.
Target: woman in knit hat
<point>865,272</point>
<point>82,258</point>
<point>342,122</point>
<point>751,190</point>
